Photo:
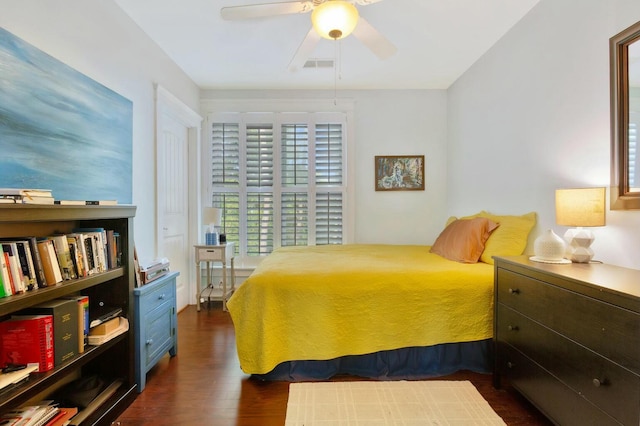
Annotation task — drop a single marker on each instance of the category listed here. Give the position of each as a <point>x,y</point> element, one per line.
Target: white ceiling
<point>437,41</point>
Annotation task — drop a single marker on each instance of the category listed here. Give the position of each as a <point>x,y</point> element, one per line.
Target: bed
<point>370,310</point>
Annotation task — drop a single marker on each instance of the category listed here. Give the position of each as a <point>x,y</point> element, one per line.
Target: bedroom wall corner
<point>532,116</point>
<point>99,40</point>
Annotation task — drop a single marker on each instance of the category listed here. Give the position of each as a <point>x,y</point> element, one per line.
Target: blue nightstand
<point>156,324</point>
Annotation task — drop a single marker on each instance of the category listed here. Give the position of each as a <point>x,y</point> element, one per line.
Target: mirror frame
<point>621,198</point>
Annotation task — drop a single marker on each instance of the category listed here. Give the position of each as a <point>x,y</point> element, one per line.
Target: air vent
<point>319,63</point>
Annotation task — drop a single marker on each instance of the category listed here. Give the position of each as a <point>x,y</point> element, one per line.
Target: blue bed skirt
<point>400,364</point>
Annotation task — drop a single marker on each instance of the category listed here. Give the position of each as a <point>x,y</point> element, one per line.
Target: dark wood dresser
<point>568,338</point>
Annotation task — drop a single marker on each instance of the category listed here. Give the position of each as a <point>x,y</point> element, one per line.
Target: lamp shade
<point>334,19</point>
<point>580,207</point>
<point>211,216</point>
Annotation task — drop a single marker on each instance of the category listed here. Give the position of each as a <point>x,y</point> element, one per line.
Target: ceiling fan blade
<point>304,50</point>
<point>375,41</point>
<point>234,13</point>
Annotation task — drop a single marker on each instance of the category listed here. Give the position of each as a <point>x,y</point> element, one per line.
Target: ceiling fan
<point>346,21</point>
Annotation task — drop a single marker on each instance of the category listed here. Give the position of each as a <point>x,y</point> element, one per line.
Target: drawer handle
<point>514,291</point>
<point>161,297</point>
<point>510,364</point>
<point>599,382</point>
<point>149,342</point>
<point>513,328</point>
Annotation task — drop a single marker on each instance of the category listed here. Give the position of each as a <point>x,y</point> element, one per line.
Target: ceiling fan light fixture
<point>334,19</point>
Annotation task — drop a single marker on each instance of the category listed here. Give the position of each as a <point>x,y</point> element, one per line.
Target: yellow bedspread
<point>323,302</point>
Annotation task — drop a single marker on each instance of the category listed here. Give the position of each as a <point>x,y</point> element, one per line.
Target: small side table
<point>224,253</point>
<point>156,324</point>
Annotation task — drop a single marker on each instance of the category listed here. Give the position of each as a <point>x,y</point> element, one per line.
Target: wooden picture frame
<point>399,172</point>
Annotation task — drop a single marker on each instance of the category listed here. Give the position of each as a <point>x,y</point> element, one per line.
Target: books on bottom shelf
<point>107,331</point>
<point>30,415</point>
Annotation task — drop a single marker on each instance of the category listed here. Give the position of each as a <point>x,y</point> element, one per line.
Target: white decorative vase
<point>549,247</point>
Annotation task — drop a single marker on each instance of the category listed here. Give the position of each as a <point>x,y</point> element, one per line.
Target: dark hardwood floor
<point>203,384</point>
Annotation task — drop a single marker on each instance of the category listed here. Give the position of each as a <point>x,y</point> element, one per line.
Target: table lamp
<point>211,218</point>
<point>583,207</point>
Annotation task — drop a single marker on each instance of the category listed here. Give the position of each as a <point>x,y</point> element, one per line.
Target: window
<point>279,178</point>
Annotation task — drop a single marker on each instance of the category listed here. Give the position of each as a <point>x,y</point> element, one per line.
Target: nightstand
<point>568,338</point>
<point>224,254</point>
<point>156,324</point>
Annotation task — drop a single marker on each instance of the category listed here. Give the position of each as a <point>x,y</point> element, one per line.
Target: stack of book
<point>30,415</point>
<point>29,262</point>
<point>26,196</point>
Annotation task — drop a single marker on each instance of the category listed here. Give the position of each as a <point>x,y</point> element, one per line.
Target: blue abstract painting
<point>61,130</point>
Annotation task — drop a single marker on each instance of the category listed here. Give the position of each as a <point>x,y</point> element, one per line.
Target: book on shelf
<point>50,264</point>
<point>83,319</point>
<point>25,260</point>
<point>38,200</point>
<point>35,257</point>
<point>61,246</point>
<point>115,329</point>
<point>102,202</point>
<point>30,192</point>
<point>101,314</point>
<point>98,246</point>
<point>86,202</point>
<point>28,339</point>
<point>3,293</point>
<point>30,415</point>
<point>14,378</point>
<point>18,281</point>
<point>65,326</point>
<point>107,327</point>
<point>6,275</point>
<point>27,263</point>
<point>63,417</point>
<point>78,254</point>
<point>26,199</point>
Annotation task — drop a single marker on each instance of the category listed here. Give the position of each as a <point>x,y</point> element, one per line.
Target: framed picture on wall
<point>399,172</point>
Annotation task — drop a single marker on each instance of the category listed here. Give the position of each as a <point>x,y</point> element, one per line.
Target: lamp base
<point>548,248</point>
<point>578,242</point>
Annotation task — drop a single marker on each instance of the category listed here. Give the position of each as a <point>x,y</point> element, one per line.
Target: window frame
<point>281,113</point>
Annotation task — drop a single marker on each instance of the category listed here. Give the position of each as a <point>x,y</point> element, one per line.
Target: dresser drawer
<point>550,395</point>
<point>609,330</point>
<point>614,389</point>
<point>160,294</point>
<point>210,254</point>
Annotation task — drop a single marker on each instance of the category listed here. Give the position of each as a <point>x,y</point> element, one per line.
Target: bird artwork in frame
<point>399,172</point>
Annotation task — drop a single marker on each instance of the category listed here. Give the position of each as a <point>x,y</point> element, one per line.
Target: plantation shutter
<point>329,173</point>
<point>225,154</point>
<point>279,179</point>
<point>225,173</point>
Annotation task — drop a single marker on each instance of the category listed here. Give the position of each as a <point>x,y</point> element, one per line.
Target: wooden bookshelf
<point>113,360</point>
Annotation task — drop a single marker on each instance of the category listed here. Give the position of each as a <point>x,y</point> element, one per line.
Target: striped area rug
<point>388,403</point>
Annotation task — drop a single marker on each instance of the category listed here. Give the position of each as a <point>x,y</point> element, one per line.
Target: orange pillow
<point>463,240</point>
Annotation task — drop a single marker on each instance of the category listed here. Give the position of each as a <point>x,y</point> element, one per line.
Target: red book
<point>27,339</point>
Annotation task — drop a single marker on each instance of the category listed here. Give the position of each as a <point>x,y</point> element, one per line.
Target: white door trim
<point>167,103</point>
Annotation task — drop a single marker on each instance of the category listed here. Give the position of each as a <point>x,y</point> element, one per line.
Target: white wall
<point>387,122</point>
<point>98,39</point>
<point>532,115</point>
